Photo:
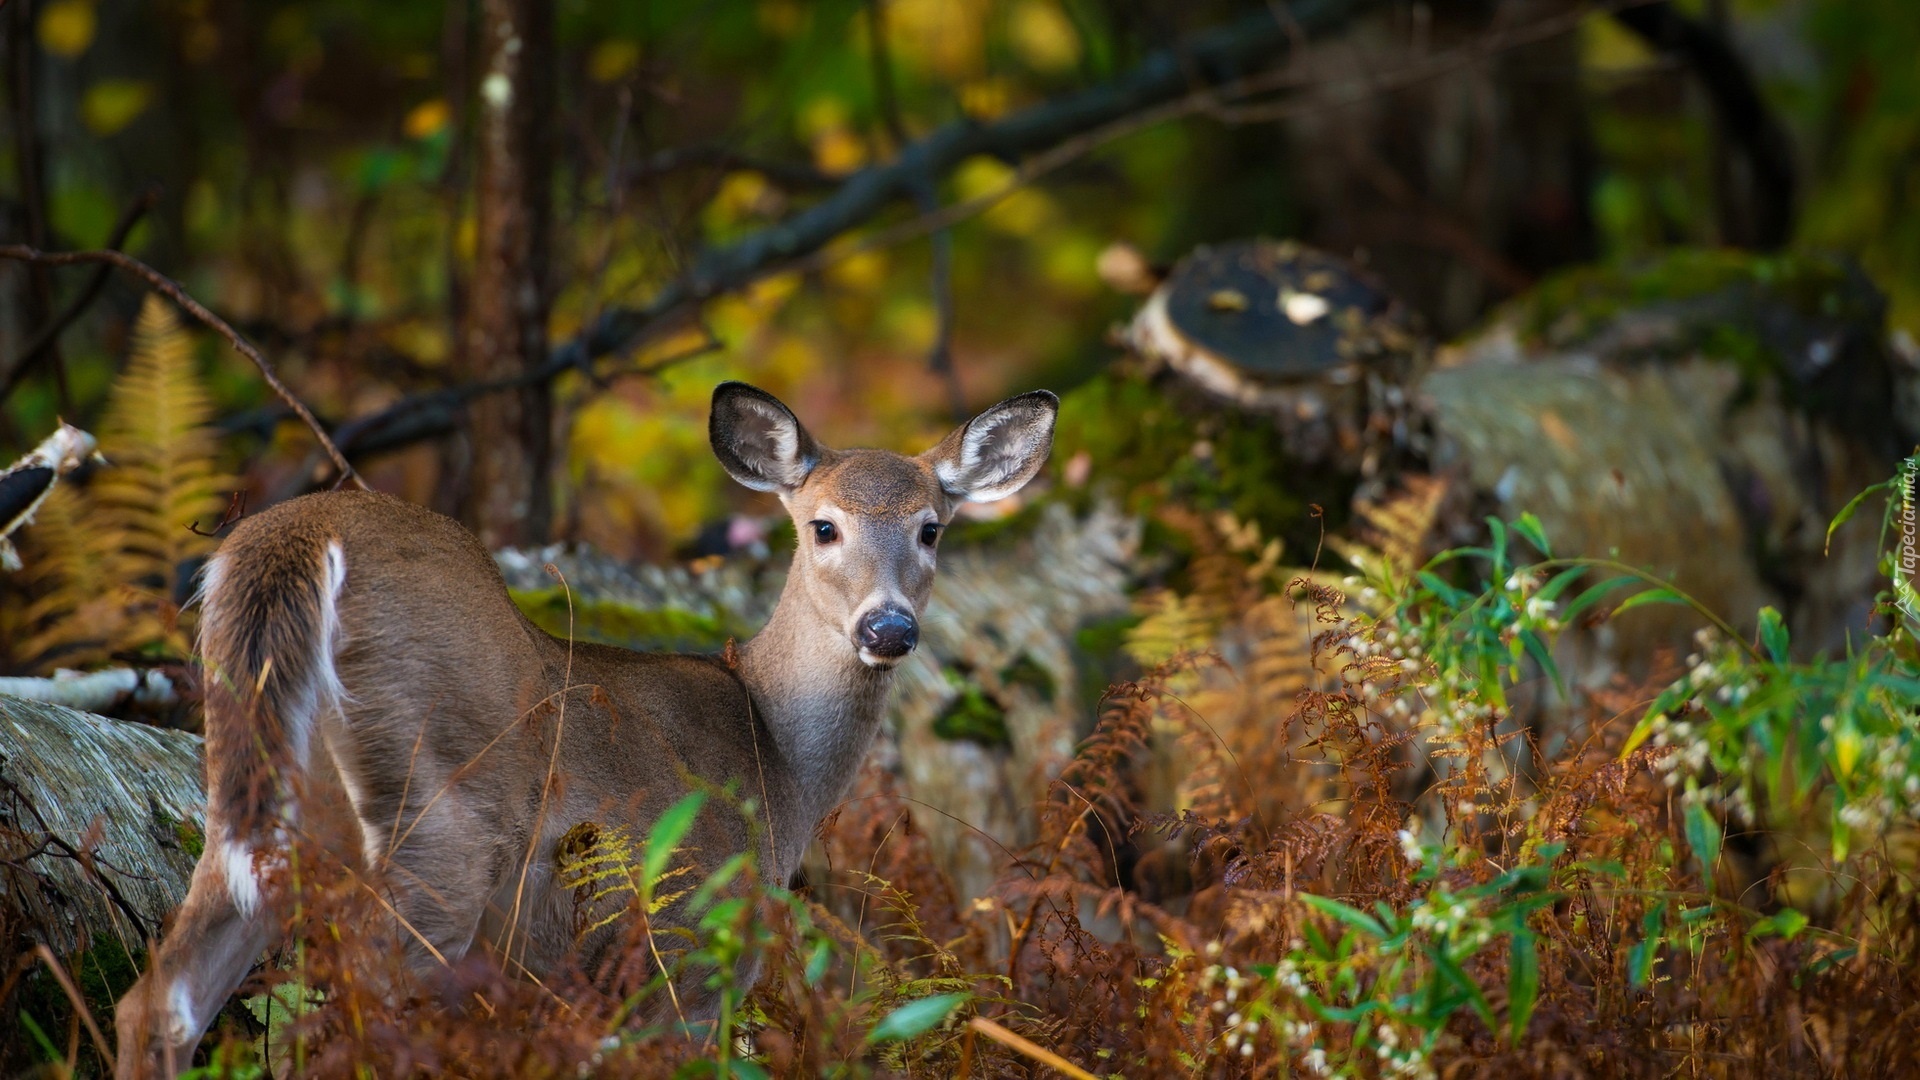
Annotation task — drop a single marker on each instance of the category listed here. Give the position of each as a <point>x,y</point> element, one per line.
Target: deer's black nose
<point>888,632</point>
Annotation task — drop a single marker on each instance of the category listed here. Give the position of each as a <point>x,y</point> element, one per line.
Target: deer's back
<point>487,739</point>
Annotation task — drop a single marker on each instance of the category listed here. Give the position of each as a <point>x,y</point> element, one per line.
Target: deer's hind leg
<point>417,835</point>
<point>232,912</point>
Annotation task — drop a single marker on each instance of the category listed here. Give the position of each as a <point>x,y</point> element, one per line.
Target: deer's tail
<point>270,625</point>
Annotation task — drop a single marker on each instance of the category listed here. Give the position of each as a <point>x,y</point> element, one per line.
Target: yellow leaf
<point>1019,211</point>
<point>981,175</point>
<point>466,237</point>
<point>1609,47</point>
<point>861,272</point>
<point>1846,750</point>
<point>1043,35</point>
<point>821,115</point>
<point>613,60</point>
<point>838,150</point>
<point>67,27</point>
<point>742,195</point>
<point>112,104</point>
<point>986,99</point>
<point>943,35</point>
<point>427,118</point>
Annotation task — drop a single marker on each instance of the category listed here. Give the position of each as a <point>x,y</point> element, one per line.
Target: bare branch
<point>172,290</point>
<point>1208,62</point>
<point>791,175</point>
<point>436,413</point>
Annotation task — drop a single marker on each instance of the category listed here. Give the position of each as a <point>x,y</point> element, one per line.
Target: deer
<point>350,635</point>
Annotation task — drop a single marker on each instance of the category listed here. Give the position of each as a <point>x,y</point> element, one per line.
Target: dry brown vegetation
<point>1312,839</point>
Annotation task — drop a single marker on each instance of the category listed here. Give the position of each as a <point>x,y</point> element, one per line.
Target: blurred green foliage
<point>315,165</point>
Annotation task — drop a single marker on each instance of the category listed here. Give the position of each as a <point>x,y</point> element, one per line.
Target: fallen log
<point>97,691</point>
<point>100,825</point>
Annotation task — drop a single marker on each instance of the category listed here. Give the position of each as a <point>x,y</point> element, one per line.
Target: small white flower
<point>1410,847</point>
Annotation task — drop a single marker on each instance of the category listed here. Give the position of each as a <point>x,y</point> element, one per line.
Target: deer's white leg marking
<point>182,1024</point>
<point>243,884</point>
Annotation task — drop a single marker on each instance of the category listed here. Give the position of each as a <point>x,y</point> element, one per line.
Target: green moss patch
<point>1027,672</point>
<point>973,716</point>
<point>1149,445</point>
<point>1719,298</point>
<point>611,623</point>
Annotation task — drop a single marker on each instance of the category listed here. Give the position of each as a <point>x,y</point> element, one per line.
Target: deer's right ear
<point>758,440</point>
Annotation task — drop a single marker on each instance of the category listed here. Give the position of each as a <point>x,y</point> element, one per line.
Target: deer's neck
<point>820,702</point>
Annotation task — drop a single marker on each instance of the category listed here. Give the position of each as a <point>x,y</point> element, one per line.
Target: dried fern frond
<point>163,478</point>
<point>80,615</point>
<point>1393,533</point>
<point>108,564</point>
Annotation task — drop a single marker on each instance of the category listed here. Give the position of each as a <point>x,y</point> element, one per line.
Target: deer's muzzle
<point>888,632</point>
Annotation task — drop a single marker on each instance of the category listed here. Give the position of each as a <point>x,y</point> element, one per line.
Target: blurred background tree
<point>507,247</point>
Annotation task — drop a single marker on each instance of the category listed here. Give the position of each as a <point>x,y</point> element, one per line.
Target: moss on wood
<point>611,623</point>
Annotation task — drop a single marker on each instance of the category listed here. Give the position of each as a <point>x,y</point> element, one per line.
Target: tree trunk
<point>29,149</point>
<point>101,822</point>
<point>507,499</point>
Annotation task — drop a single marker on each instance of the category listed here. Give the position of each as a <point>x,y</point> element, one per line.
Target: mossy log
<point>100,825</point>
<point>1703,416</point>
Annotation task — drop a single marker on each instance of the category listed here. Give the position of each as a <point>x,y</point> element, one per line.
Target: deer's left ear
<point>997,452</point>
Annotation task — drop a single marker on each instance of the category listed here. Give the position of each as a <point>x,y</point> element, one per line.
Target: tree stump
<point>1297,335</point>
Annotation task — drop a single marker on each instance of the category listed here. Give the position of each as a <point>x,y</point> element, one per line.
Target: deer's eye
<point>930,533</point>
<point>824,532</point>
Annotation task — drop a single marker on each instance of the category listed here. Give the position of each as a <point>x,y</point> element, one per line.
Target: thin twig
<point>88,294</point>
<point>79,1002</point>
<point>88,860</point>
<point>1028,1048</point>
<point>171,288</point>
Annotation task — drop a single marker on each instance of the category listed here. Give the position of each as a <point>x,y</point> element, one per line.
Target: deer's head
<point>868,522</point>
